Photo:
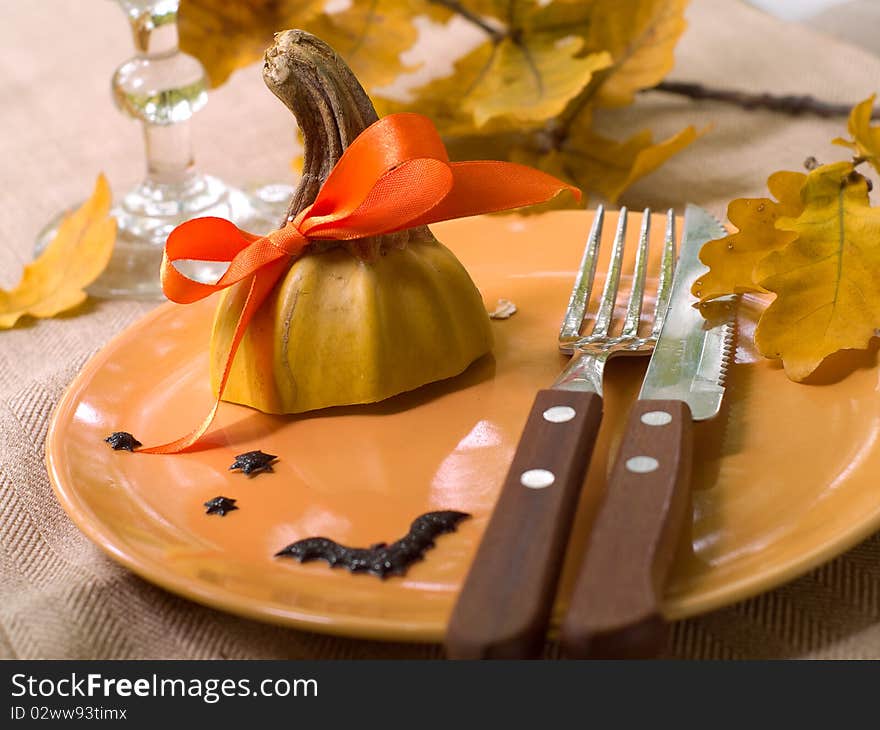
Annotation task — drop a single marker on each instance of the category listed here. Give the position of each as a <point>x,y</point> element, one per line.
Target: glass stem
<point>169,153</point>
<point>168,147</point>
<point>162,88</point>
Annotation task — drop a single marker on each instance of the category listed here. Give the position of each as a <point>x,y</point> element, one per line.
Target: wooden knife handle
<point>615,607</point>
<point>505,602</point>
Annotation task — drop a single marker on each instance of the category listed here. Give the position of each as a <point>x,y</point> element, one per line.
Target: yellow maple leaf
<point>732,259</point>
<point>76,256</point>
<point>865,137</point>
<point>826,279</point>
<point>226,36</point>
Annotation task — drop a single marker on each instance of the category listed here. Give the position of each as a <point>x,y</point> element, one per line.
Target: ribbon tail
<point>262,283</point>
<point>488,186</point>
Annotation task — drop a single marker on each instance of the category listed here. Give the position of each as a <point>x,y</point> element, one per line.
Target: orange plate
<point>785,476</point>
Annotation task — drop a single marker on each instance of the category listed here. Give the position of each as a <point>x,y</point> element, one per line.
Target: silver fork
<point>504,606</point>
<point>591,352</point>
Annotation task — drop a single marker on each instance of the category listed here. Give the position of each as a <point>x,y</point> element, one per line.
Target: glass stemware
<point>163,88</point>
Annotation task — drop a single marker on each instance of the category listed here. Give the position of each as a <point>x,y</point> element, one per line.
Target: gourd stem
<point>330,106</point>
<point>331,109</point>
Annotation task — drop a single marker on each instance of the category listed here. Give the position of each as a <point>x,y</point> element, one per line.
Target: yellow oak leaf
<point>530,80</point>
<point>865,137</point>
<point>594,163</point>
<point>528,89</point>
<point>608,167</point>
<point>640,35</point>
<point>825,280</point>
<point>526,79</point>
<point>370,36</point>
<point>732,259</point>
<point>504,145</point>
<point>226,36</point>
<point>76,256</point>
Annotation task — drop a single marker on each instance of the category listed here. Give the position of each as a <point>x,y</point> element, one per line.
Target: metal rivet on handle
<point>559,414</point>
<point>656,418</point>
<point>642,464</point>
<point>537,478</point>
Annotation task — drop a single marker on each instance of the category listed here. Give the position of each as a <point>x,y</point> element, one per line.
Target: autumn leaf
<point>594,163</point>
<point>525,93</point>
<point>608,167</point>
<point>865,138</point>
<point>370,35</point>
<point>640,35</point>
<point>527,74</point>
<point>226,36</point>
<point>732,259</point>
<point>825,280</point>
<point>816,247</point>
<point>76,256</point>
<point>484,112</point>
<point>527,81</point>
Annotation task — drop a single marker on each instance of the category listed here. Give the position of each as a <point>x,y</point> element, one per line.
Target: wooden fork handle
<point>615,607</point>
<point>504,606</point>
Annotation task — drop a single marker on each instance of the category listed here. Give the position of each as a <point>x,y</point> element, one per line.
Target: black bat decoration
<point>380,559</point>
<point>122,440</point>
<point>253,462</point>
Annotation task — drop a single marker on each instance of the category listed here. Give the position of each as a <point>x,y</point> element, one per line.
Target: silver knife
<point>615,609</point>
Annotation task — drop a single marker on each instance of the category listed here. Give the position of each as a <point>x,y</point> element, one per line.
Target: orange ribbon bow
<point>395,175</point>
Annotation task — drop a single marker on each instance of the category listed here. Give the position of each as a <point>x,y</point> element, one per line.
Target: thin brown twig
<point>456,7</point>
<point>794,104</point>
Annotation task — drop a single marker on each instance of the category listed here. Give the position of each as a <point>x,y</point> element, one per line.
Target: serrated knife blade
<point>615,609</point>
<point>690,359</point>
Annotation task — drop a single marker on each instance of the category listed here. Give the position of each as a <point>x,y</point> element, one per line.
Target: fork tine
<point>583,284</point>
<point>667,268</point>
<point>612,280</point>
<point>637,294</point>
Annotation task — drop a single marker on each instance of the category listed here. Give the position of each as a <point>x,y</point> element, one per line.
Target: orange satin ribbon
<point>395,175</point>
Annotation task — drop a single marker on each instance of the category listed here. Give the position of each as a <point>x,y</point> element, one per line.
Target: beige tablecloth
<point>60,597</point>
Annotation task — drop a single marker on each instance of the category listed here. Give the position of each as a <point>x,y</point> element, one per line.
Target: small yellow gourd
<point>350,322</point>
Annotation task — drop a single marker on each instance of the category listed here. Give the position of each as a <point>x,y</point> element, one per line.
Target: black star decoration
<point>253,462</point>
<point>220,506</point>
<point>122,440</point>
